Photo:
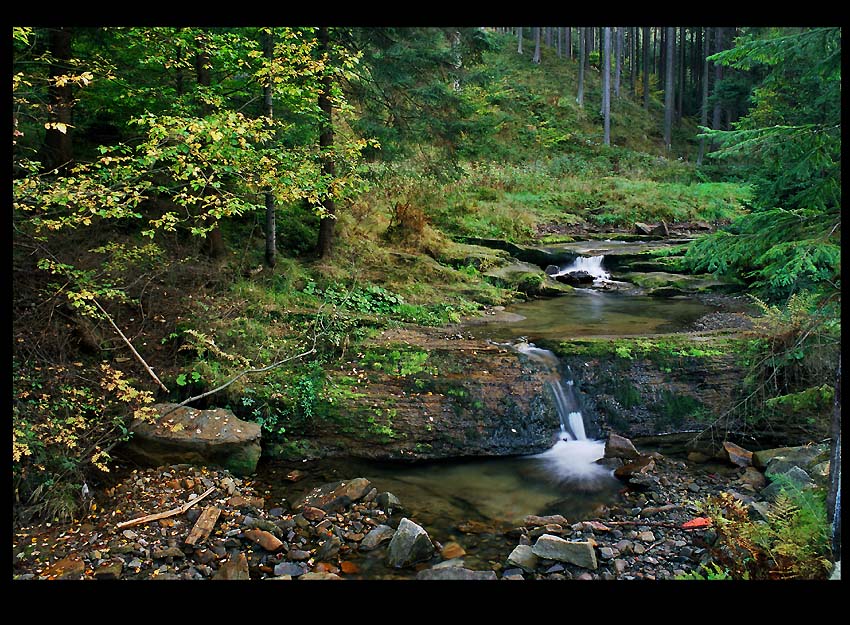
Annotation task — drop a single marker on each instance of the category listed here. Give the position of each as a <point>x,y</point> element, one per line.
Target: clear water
<point>588,312</point>
<point>500,492</point>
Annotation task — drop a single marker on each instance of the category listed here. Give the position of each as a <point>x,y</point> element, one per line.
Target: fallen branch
<point>165,515</point>
<point>130,345</point>
<point>312,350</point>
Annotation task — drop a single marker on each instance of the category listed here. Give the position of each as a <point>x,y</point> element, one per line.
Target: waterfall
<point>588,264</point>
<point>572,460</point>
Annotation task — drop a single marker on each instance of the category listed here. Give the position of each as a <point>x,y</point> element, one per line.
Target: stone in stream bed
<point>375,537</point>
<point>523,557</point>
<point>214,437</point>
<point>335,496</point>
<point>556,548</point>
<point>410,544</point>
<point>455,573</point>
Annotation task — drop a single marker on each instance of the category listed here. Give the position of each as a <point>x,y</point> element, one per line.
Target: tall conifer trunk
<point>268,111</point>
<point>58,149</point>
<point>669,63</point>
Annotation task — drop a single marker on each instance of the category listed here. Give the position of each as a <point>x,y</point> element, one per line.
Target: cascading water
<point>587,264</point>
<point>573,457</point>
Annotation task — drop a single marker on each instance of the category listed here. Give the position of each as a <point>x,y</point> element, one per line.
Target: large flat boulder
<point>214,437</point>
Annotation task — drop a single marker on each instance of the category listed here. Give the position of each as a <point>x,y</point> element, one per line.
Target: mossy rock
<point>664,284</point>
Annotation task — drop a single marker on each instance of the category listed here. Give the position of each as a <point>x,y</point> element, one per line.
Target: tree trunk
<point>669,88</point>
<point>536,57</point>
<point>582,35</point>
<point>560,30</point>
<point>633,60</point>
<point>703,116</point>
<point>568,42</point>
<point>58,148</point>
<point>519,40</point>
<point>681,90</point>
<point>718,75</point>
<point>606,85</point>
<point>833,501</point>
<point>618,59</point>
<point>549,36</point>
<point>645,67</point>
<point>268,110</point>
<point>326,140</point>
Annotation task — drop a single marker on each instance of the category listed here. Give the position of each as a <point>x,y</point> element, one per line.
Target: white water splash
<point>589,264</point>
<point>575,461</point>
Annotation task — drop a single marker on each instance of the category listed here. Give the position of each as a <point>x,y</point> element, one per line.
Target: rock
<point>661,229</point>
<point>575,278</point>
<point>168,552</point>
<point>585,577</point>
<point>643,464</point>
<point>214,437</point>
<point>348,567</point>
<point>109,570</point>
<point>328,548</point>
<point>266,540</point>
<point>410,544</point>
<point>753,477</point>
<point>803,456</point>
<point>452,550</point>
<point>653,510</point>
<point>552,270</point>
<point>642,228</point>
<point>235,568</point>
<point>606,553</point>
<point>335,496</point>
<point>795,476</point>
<point>299,555</point>
<point>380,534</point>
<point>556,548</point>
<point>317,575</point>
<point>698,457</point>
<point>737,455</point>
<point>238,501</point>
<point>289,569</point>
<point>523,557</point>
<point>313,514</point>
<point>70,567</point>
<point>388,502</point>
<point>647,537</point>
<point>455,573</point>
<point>537,521</point>
<point>620,447</point>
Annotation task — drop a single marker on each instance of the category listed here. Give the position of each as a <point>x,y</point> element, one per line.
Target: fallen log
<point>164,515</point>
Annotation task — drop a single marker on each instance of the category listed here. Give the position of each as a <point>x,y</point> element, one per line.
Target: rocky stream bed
<point>185,522</point>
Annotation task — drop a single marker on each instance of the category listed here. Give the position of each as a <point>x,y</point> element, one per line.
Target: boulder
<point>455,572</point>
<point>620,447</point>
<point>410,544</point>
<point>388,502</point>
<point>580,553</point>
<point>378,535</point>
<point>642,228</point>
<point>335,496</point>
<point>523,557</point>
<point>737,455</point>
<point>575,278</point>
<point>643,464</point>
<point>214,437</point>
<point>803,456</point>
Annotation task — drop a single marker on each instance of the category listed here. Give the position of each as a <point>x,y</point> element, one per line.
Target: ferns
<point>792,543</point>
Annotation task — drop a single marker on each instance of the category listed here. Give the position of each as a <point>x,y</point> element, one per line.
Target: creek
<point>498,493</point>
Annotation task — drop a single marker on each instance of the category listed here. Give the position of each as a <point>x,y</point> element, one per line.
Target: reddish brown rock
<point>349,567</point>
<point>70,567</point>
<point>737,455</point>
<point>266,540</point>
<point>452,550</point>
<point>313,514</point>
<point>235,568</point>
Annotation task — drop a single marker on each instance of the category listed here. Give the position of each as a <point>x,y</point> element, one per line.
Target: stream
<point>498,493</point>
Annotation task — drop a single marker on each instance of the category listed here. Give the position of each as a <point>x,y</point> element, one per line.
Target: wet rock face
<point>476,399</point>
<point>213,437</point>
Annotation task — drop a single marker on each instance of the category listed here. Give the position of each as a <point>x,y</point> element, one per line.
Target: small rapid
<point>572,459</point>
<point>592,265</point>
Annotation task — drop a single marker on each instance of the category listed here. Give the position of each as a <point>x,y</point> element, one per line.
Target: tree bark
<point>618,59</point>
<point>703,116</point>
<point>58,148</point>
<point>568,42</point>
<point>606,85</point>
<point>669,88</point>
<point>718,76</point>
<point>632,60</point>
<point>582,36</point>
<point>536,57</point>
<point>681,89</point>
<point>833,501</point>
<point>268,110</point>
<point>326,140</point>
<point>645,68</point>
<point>519,40</point>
